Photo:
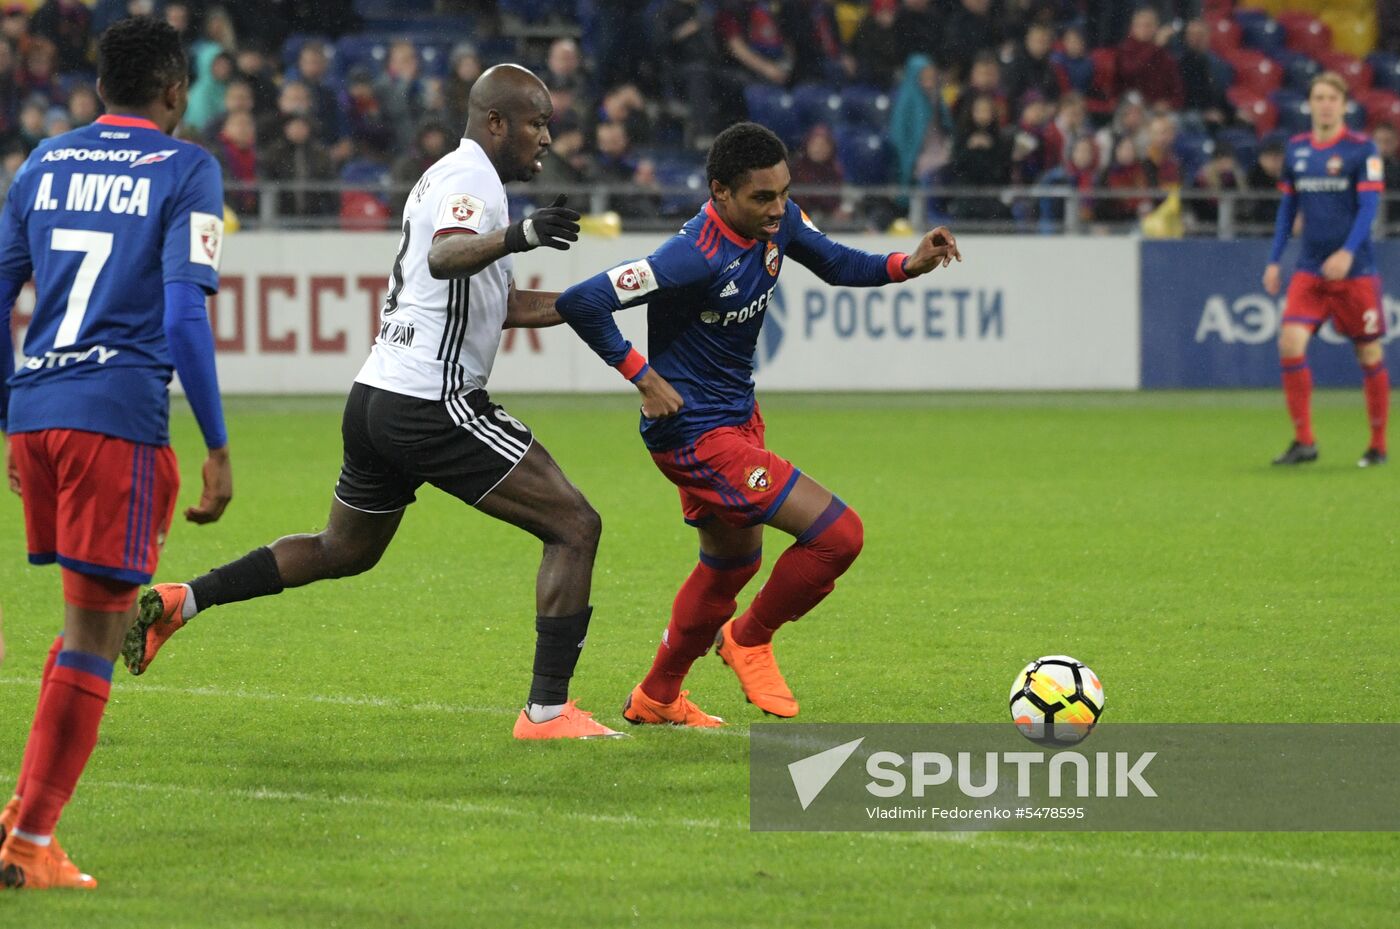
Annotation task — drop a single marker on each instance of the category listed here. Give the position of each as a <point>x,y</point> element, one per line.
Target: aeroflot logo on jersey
<point>119,155</point>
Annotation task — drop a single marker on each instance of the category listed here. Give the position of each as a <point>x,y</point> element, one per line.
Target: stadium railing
<point>1023,210</point>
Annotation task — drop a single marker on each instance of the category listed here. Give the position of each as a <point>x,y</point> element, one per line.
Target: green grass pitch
<point>341,755</point>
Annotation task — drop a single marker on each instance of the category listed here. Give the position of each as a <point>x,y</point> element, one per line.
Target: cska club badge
<point>771,259</point>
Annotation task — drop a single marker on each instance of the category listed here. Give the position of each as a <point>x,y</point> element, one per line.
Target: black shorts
<point>395,443</point>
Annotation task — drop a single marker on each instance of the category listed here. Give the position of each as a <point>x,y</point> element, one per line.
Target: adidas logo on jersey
<point>729,290</point>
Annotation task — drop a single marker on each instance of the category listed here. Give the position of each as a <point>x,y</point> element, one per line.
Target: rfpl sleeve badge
<point>206,239</point>
<point>1375,169</point>
<point>632,280</point>
<point>460,211</point>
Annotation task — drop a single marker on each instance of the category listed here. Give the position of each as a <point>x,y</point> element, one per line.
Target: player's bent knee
<point>837,536</point>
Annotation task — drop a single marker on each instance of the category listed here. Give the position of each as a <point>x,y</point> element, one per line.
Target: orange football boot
<point>573,723</point>
<point>24,865</point>
<point>640,709</point>
<point>8,815</point>
<point>758,673</point>
<point>158,617</point>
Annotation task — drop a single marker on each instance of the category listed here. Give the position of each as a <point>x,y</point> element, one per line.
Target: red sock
<point>43,685</point>
<point>1376,385</point>
<point>705,602</point>
<point>1297,391</point>
<point>65,732</point>
<point>804,574</point>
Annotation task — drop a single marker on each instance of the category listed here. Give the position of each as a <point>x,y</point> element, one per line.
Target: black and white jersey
<point>438,338</point>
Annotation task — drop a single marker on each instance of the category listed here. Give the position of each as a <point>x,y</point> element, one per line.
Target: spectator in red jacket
<point>1144,65</point>
<point>1126,172</point>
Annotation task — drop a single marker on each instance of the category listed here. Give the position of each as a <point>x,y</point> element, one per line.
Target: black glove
<point>555,225</point>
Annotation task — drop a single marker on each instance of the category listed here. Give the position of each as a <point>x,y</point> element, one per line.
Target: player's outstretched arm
<point>531,309</point>
<point>462,254</point>
<point>844,266</point>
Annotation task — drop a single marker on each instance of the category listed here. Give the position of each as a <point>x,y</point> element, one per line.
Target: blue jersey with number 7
<point>103,217</point>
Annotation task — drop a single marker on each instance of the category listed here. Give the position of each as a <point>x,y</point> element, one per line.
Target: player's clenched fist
<point>659,398</point>
<point>554,226</point>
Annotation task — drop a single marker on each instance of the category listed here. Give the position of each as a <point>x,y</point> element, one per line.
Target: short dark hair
<point>137,58</point>
<point>742,148</point>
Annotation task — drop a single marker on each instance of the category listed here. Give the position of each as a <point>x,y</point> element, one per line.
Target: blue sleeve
<point>835,263</point>
<point>1369,178</point>
<point>192,347</point>
<point>194,226</point>
<point>9,290</point>
<point>588,305</point>
<point>1287,212</point>
<point>16,263</point>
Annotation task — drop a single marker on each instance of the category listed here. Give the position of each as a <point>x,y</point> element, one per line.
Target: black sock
<point>253,575</point>
<point>558,643</point>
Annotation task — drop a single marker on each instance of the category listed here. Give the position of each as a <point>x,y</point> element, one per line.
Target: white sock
<point>190,608</point>
<point>40,840</point>
<point>539,713</point>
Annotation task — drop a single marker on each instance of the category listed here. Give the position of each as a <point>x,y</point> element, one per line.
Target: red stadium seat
<point>1306,33</point>
<point>363,212</point>
<point>1254,109</point>
<point>1358,73</point>
<point>1255,71</point>
<point>1224,35</point>
<point>1381,106</point>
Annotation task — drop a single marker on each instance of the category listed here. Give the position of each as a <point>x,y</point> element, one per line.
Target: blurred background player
<point>708,287</point>
<point>104,217</point>
<point>1334,177</point>
<point>419,411</point>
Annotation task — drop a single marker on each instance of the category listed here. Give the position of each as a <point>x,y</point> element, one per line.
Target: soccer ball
<point>1056,700</point>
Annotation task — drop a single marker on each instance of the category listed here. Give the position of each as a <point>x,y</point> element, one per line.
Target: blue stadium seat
<point>681,172</point>
<point>368,50</point>
<point>865,106</point>
<point>773,107</point>
<point>1244,142</point>
<point>364,172</point>
<point>863,155</point>
<point>1356,116</point>
<point>1192,148</point>
<point>1261,34</point>
<point>1292,110</point>
<point>816,103</point>
<point>1385,67</point>
<point>1222,72</point>
<point>1298,70</point>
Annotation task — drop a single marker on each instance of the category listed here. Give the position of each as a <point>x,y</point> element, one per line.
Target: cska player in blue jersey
<point>708,287</point>
<point>1334,178</point>
<point>109,219</point>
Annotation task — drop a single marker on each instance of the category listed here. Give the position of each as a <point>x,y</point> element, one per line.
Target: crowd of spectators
<point>978,94</point>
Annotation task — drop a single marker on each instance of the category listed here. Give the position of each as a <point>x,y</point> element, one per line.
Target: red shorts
<point>97,505</point>
<point>728,474</point>
<point>1354,305</point>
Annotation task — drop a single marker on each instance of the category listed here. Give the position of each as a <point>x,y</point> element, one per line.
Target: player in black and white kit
<point>419,412</point>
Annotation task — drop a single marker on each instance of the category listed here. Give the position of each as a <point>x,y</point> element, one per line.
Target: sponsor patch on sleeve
<point>632,280</point>
<point>1375,169</point>
<point>206,239</point>
<point>460,211</point>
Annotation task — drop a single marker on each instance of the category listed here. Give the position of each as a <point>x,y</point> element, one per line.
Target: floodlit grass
<point>340,755</point>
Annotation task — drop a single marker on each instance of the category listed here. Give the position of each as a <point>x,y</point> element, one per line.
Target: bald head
<point>508,89</point>
<point>508,115</point>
